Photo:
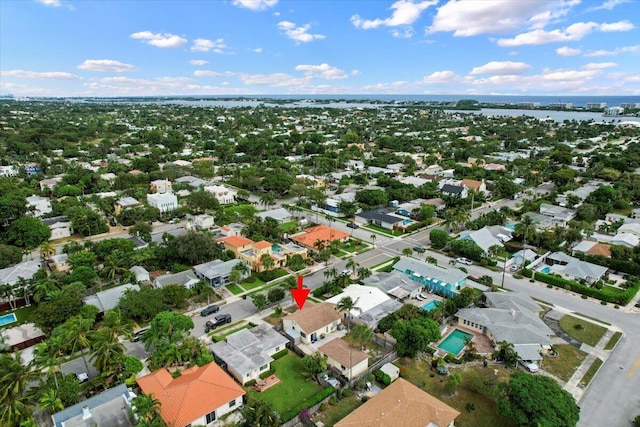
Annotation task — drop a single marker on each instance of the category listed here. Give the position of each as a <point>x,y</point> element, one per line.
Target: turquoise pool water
<point>455,342</point>
<point>407,221</point>
<point>546,270</point>
<point>430,305</point>
<point>511,226</point>
<point>275,248</point>
<point>8,318</point>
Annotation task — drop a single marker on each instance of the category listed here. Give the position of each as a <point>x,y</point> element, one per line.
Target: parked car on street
<point>419,249</point>
<point>352,225</point>
<point>209,310</point>
<point>219,320</point>
<point>464,261</point>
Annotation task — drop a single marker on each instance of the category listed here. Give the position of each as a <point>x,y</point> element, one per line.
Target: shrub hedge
<point>280,354</point>
<point>266,374</point>
<point>604,294</point>
<point>316,398</point>
<point>382,377</point>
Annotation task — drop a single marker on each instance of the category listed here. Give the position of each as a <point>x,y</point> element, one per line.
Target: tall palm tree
<point>407,252</point>
<point>146,407</point>
<point>107,350</point>
<point>14,389</point>
<point>526,228</point>
<point>50,401</point>
<point>363,273</point>
<point>351,264</point>
<point>267,262</point>
<point>43,289</point>
<point>346,305</point>
<point>362,334</point>
<point>46,250</point>
<point>330,273</point>
<point>78,335</point>
<point>373,238</point>
<point>319,244</point>
<point>267,199</point>
<point>47,355</point>
<point>241,268</point>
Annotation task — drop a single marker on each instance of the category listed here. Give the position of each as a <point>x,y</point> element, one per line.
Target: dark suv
<point>219,320</point>
<point>352,225</point>
<point>137,336</point>
<point>419,249</point>
<point>209,310</point>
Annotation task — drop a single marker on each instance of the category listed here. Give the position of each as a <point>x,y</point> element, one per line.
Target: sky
<point>273,47</point>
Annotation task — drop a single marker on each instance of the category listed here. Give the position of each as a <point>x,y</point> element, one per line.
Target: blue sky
<point>240,47</point>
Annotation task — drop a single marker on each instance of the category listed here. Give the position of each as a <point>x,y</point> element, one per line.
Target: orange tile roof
<point>471,183</point>
<point>401,405</point>
<point>314,316</point>
<point>262,244</point>
<point>340,351</point>
<point>197,392</point>
<point>319,232</point>
<point>236,241</point>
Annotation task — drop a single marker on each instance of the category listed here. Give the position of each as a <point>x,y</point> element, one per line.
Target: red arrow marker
<point>300,294</point>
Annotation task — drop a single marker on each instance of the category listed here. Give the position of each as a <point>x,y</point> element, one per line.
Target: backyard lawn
<point>565,364</point>
<point>289,227</point>
<point>292,389</point>
<point>335,413</point>
<point>22,315</point>
<point>476,390</point>
<point>582,330</point>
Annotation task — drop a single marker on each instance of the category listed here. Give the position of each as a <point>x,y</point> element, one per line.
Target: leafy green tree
<point>50,314</point>
<point>146,407</point>
<point>78,335</point>
<point>508,353</point>
<point>414,336</point>
<point>87,222</point>
<point>348,208</point>
<point>174,295</point>
<point>314,364</point>
<point>28,232</point>
<point>167,327</point>
<point>194,248</point>
<point>83,258</point>
<point>141,229</point>
<point>362,334</point>
<point>141,305</point>
<point>260,301</point>
<point>275,295</point>
<point>259,413</point>
<point>438,238</point>
<point>202,201</point>
<point>13,204</point>
<point>9,255</point>
<point>535,400</point>
<point>407,252</point>
<point>277,181</point>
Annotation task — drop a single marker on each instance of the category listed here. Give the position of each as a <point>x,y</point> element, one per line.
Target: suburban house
<point>631,228</point>
<point>477,186</point>
<point>311,323</point>
<point>109,408</point>
<point>201,395</point>
<point>446,281</point>
<point>281,215</point>
<point>592,248</point>
<point>38,206</point>
<point>125,203</point>
<point>8,171</point>
<point>165,202</point>
<point>185,278</point>
<point>381,217</point>
<point>628,240</point>
<point>216,272</point>
<point>580,193</point>
<point>59,262</point>
<point>394,284</point>
<point>333,202</point>
<point>233,229</point>
<point>160,186</point>
<point>141,273</point>
<point>349,361</point>
<point>22,336</point>
<point>320,233</point>
<point>192,181</point>
<point>401,404</point>
<point>541,222</point>
<point>247,353</point>
<point>109,299</point>
<point>511,317</point>
<point>224,195</point>
<point>488,236</point>
<point>60,227</point>
<point>251,252</point>
<point>365,298</point>
<point>201,222</point>
<point>559,215</point>
<point>49,183</point>
<point>572,268</point>
<point>454,190</point>
<point>25,270</point>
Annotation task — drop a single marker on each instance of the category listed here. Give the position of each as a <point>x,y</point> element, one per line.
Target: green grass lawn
<point>382,230</point>
<point>252,285</point>
<point>565,364</point>
<point>613,341</point>
<point>23,315</point>
<point>292,389</point>
<point>234,289</point>
<point>335,413</point>
<point>220,336</point>
<point>582,330</point>
<point>478,384</point>
<point>289,227</point>
<point>591,372</point>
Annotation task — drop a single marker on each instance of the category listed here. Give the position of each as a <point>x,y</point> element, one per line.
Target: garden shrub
<point>382,377</point>
<point>266,374</point>
<point>250,383</point>
<point>280,354</point>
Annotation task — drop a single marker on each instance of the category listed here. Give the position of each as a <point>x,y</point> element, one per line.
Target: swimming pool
<point>511,226</point>
<point>407,221</point>
<point>546,270</point>
<point>455,341</point>
<point>430,305</point>
<point>275,248</point>
<point>8,318</point>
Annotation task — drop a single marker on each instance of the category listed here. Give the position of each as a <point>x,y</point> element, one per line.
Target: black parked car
<point>137,336</point>
<point>220,319</point>
<point>419,249</point>
<point>209,310</point>
<point>352,225</point>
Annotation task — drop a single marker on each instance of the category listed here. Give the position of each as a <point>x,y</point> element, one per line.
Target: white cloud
<point>471,18</point>
<point>567,51</point>
<point>322,71</point>
<point>106,65</point>
<point>403,33</point>
<point>440,77</point>
<point>405,13</point>
<point>51,3</point>
<point>198,62</point>
<point>298,34</point>
<point>549,80</point>
<point>205,45</point>
<point>616,51</point>
<point>355,72</point>
<point>608,5</point>
<point>573,32</point>
<point>635,78</point>
<point>501,68</point>
<point>258,50</point>
<point>166,40</point>
<point>275,79</point>
<point>255,4</point>
<point>49,75</point>
<point>208,73</point>
<point>599,65</point>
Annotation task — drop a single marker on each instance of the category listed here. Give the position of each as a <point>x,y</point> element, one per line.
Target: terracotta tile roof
<point>340,351</point>
<point>197,392</point>
<point>314,316</point>
<point>401,405</point>
<point>471,183</point>
<point>319,232</point>
<point>262,244</point>
<point>600,249</point>
<point>236,241</point>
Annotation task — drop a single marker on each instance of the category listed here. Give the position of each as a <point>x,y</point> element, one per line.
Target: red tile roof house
<point>199,396</point>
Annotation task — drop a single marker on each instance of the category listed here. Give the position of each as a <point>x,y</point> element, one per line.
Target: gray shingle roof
<point>108,300</point>
<point>94,403</point>
<point>380,215</point>
<point>424,269</point>
<point>452,189</point>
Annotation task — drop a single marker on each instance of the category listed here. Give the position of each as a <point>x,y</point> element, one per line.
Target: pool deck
<point>483,343</point>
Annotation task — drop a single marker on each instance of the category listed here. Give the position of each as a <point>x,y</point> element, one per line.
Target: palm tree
<point>373,238</point>
<point>526,228</point>
<point>47,355</point>
<point>146,407</point>
<point>108,351</point>
<point>112,268</point>
<point>241,268</point>
<point>319,244</point>
<point>267,262</point>
<point>407,252</point>
<point>362,334</point>
<point>267,199</point>
<point>50,401</point>
<point>346,305</point>
<point>43,289</point>
<point>46,250</point>
<point>14,389</point>
<point>78,335</point>
<point>508,353</point>
<point>330,273</point>
<point>351,264</point>
<point>363,273</point>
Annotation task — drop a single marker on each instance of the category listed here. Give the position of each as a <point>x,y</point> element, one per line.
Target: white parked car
<point>529,365</point>
<point>347,272</point>
<point>464,261</point>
